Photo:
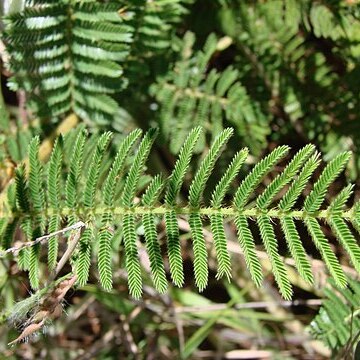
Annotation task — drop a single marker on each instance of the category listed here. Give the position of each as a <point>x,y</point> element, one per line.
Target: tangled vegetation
<point>190,167</point>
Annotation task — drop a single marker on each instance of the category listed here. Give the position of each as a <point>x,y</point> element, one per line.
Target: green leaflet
<point>84,256</point>
<point>325,250</point>
<point>181,166</point>
<point>92,194</point>
<point>104,256</point>
<point>299,183</point>
<point>136,168</point>
<point>206,167</point>
<point>331,172</point>
<point>229,176</point>
<point>94,170</point>
<point>152,245</point>
<point>296,248</point>
<point>118,164</point>
<point>278,268</point>
<point>132,257</point>
<point>174,249</point>
<point>222,254</point>
<point>36,196</point>
<point>247,245</point>
<point>251,181</point>
<point>53,185</point>
<point>73,176</point>
<point>264,200</point>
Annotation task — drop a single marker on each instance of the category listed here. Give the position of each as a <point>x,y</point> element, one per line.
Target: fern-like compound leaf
<point>191,94</point>
<point>96,194</point>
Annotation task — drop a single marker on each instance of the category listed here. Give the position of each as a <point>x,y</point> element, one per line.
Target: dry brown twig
<point>41,239</point>
<point>51,303</point>
<point>49,309</point>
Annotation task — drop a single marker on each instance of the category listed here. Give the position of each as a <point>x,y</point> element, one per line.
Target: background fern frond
<point>190,90</point>
<point>67,59</point>
<point>337,323</point>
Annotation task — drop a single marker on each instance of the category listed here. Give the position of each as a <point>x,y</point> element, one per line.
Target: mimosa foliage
<point>107,196</point>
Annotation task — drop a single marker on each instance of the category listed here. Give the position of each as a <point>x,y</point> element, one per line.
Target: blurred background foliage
<point>278,71</point>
